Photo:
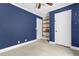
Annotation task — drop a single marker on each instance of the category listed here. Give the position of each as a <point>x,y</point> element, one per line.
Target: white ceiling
<point>43,11</point>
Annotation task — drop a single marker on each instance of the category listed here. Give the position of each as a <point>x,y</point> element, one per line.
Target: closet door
<point>63,28</point>
<point>39,28</point>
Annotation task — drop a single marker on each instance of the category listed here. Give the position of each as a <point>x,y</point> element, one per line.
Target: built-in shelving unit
<point>46,27</point>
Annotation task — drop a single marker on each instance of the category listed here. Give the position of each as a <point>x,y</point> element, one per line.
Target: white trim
<point>25,9</point>
<point>16,46</point>
<point>75,48</point>
<point>50,42</point>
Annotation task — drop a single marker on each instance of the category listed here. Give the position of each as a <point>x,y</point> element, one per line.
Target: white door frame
<point>56,29</point>
<point>39,28</point>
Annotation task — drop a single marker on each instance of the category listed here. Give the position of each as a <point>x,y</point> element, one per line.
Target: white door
<point>63,28</point>
<point>39,28</point>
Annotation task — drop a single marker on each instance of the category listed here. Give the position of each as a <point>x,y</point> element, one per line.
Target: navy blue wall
<point>75,27</point>
<point>16,25</point>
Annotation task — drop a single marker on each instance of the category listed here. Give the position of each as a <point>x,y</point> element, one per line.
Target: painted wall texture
<point>16,25</point>
<point>74,23</point>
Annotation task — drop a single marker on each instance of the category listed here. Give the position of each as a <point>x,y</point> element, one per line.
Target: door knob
<point>56,31</point>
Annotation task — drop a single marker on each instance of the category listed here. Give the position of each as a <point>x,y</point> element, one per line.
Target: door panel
<point>39,28</point>
<point>63,28</point>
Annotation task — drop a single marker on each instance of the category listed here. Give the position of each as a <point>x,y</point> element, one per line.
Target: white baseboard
<point>75,48</point>
<point>50,42</point>
<point>16,46</point>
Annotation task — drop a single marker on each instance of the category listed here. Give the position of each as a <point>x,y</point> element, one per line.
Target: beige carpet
<point>41,48</point>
